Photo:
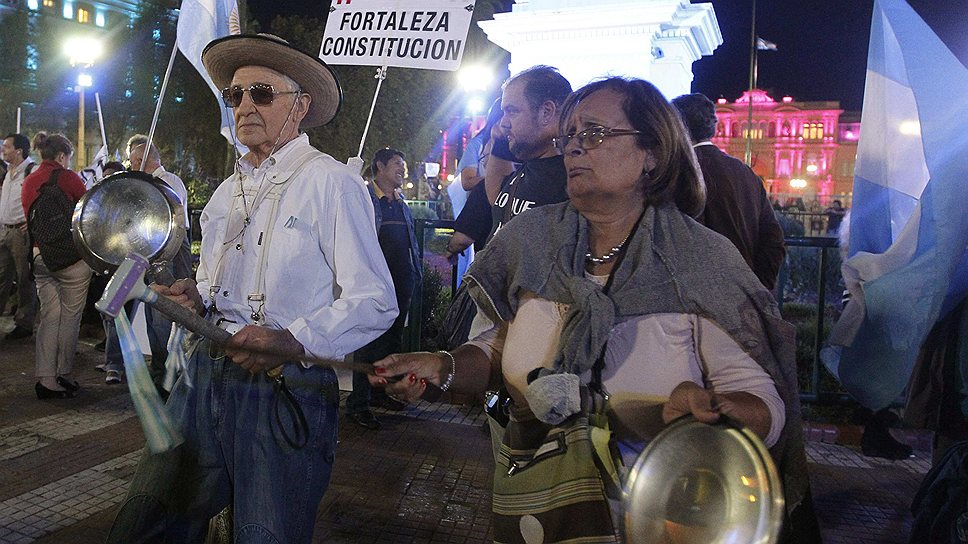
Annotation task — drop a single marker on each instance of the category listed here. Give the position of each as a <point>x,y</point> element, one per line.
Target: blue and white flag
<point>200,22</point>
<point>908,264</point>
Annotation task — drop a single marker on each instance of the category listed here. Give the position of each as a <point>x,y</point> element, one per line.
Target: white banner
<point>429,34</point>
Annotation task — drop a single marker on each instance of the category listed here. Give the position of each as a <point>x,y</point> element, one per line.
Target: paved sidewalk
<point>425,477</point>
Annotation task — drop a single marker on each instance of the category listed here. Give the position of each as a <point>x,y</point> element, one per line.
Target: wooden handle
<point>187,318</point>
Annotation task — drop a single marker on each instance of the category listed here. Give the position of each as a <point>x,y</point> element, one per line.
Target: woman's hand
<point>184,292</point>
<point>405,375</point>
<point>690,398</point>
<point>706,406</point>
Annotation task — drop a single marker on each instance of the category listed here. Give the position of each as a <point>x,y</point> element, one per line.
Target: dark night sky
<point>821,50</point>
<point>822,46</point>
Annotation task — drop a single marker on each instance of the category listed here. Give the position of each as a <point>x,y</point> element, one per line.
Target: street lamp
<point>476,81</point>
<point>475,106</point>
<point>82,51</point>
<point>475,78</point>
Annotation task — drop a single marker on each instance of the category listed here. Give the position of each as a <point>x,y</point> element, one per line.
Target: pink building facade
<point>801,150</point>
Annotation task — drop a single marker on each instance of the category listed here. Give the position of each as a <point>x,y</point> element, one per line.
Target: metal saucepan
<point>699,483</point>
<point>128,212</point>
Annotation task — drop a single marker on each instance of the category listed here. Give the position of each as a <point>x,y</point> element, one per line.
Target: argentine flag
<point>907,264</point>
<point>199,22</point>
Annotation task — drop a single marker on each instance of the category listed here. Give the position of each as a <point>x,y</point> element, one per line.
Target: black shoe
<point>365,419</point>
<point>877,440</point>
<point>69,385</point>
<point>44,393</point>
<point>100,346</point>
<point>387,403</point>
<point>18,332</point>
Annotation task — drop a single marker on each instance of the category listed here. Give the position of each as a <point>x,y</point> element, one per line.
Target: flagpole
<point>100,119</point>
<point>381,74</point>
<point>748,155</point>
<point>161,97</point>
<point>18,119</point>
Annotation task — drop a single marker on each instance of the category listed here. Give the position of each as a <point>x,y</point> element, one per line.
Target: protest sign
<point>430,34</point>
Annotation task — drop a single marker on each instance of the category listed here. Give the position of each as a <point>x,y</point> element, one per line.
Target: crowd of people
<point>596,213</point>
<point>38,257</point>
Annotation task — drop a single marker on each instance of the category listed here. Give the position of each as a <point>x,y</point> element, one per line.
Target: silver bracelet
<point>453,370</point>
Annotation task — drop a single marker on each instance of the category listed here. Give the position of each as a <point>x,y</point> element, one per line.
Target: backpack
<point>49,225</point>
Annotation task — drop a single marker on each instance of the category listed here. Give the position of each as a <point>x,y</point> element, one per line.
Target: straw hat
<point>222,57</point>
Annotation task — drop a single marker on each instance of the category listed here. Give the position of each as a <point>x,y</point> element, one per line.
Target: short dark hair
<point>542,83</point>
<point>20,142</point>
<point>676,177</point>
<point>113,165</point>
<point>699,115</point>
<point>50,146</point>
<point>383,156</point>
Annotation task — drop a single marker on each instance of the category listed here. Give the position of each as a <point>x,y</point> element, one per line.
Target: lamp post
<point>83,82</point>
<point>82,51</point>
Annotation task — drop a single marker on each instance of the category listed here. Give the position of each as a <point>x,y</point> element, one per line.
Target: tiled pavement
<point>64,468</point>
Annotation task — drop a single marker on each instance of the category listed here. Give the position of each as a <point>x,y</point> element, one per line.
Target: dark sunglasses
<point>590,138</point>
<point>260,93</point>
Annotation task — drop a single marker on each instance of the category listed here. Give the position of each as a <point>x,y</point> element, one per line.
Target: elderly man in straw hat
<point>290,261</point>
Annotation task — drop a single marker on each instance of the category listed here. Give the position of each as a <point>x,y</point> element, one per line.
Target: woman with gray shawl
<point>622,270</point>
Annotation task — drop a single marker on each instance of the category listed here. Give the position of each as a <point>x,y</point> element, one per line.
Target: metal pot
<point>699,483</point>
<point>124,213</point>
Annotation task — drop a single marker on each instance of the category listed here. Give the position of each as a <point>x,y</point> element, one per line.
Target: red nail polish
<point>423,381</point>
<point>413,378</point>
<point>383,382</point>
<point>380,370</point>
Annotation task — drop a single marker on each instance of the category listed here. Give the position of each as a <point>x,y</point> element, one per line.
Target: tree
<point>14,39</point>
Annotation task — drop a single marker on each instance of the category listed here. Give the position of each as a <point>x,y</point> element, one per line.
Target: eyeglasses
<point>590,138</point>
<point>260,93</point>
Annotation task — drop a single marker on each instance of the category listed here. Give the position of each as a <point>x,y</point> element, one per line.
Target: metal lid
<point>704,484</point>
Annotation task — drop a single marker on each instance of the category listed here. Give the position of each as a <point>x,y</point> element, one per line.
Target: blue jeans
<point>234,453</point>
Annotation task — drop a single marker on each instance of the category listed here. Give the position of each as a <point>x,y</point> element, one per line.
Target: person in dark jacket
<point>394,226</point>
<point>737,205</point>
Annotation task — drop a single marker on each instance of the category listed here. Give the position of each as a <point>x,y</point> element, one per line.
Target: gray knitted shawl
<point>672,265</point>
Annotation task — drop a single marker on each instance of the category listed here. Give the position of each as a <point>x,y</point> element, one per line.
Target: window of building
<point>48,3</point>
<point>31,57</point>
<point>156,34</point>
<point>33,5</point>
<point>756,133</point>
<point>83,15</point>
<point>68,10</point>
<point>783,167</point>
<point>812,131</point>
<point>100,19</point>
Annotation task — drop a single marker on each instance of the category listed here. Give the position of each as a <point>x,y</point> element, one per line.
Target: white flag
<point>765,45</point>
<point>93,173</point>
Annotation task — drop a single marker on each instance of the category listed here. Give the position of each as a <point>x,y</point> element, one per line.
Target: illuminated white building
<point>656,40</point>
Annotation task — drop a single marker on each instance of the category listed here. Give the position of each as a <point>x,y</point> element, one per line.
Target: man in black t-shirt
<point>394,226</point>
<point>531,102</point>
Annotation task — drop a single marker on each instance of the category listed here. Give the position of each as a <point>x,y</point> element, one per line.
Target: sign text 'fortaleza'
<point>430,34</point>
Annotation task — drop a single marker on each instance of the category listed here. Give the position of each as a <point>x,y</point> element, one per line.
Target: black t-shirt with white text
<point>535,183</point>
